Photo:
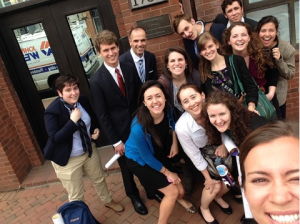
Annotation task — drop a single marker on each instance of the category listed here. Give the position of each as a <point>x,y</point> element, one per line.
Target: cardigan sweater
<point>286,68</point>
<point>244,74</point>
<point>139,148</point>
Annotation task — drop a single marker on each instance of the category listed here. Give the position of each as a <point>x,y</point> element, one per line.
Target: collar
<point>135,57</point>
<point>111,69</point>
<point>228,24</point>
<point>200,23</point>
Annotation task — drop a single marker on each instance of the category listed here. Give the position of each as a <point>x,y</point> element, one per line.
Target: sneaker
<point>114,206</point>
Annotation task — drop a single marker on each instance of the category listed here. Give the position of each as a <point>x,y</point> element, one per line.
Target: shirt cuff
<point>118,143</point>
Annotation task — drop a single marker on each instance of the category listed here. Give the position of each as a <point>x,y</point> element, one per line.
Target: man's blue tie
<point>142,70</point>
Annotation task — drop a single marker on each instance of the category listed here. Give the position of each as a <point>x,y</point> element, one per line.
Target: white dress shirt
<point>192,137</point>
<point>113,73</point>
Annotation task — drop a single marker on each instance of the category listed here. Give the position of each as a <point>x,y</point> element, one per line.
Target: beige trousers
<point>71,176</point>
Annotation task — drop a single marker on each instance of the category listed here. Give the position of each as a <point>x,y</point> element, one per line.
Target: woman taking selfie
<point>283,54</point>
<point>216,72</point>
<point>151,143</point>
<point>190,130</point>
<point>269,161</point>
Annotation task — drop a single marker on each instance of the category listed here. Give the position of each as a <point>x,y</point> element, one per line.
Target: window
<point>286,11</point>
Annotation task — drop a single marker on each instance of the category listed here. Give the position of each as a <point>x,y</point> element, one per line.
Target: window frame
<point>252,7</point>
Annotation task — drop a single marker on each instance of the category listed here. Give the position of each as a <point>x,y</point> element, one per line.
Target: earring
<point>185,67</point>
<point>145,105</point>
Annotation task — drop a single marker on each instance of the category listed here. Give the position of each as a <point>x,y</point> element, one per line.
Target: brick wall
<point>126,18</point>
<point>19,151</point>
<point>208,9</point>
<point>292,102</point>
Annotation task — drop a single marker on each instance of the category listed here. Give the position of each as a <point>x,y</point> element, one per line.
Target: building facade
<point>21,130</point>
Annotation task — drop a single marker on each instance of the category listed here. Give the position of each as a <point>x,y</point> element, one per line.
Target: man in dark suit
<point>144,61</point>
<point>114,91</point>
<point>190,30</point>
<point>233,11</point>
<point>71,125</point>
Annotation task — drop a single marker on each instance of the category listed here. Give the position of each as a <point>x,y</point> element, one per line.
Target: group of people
<point>155,122</point>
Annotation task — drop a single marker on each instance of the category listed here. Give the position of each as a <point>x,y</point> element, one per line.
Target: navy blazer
<point>244,74</point>
<point>113,110</point>
<point>60,129</point>
<point>220,18</point>
<point>150,63</point>
<point>216,30</point>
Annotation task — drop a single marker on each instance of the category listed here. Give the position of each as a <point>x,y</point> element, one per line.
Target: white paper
<point>229,144</point>
<point>57,219</point>
<point>112,160</point>
<point>248,214</point>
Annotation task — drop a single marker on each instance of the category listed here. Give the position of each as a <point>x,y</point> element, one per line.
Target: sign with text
<point>136,4</point>
<point>156,26</point>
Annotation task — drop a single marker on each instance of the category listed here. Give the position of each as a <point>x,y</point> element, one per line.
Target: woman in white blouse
<point>192,136</point>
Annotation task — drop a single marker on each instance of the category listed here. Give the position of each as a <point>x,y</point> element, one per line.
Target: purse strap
<point>236,80</point>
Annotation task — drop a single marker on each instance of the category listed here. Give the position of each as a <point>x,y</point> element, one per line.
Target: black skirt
<point>149,178</point>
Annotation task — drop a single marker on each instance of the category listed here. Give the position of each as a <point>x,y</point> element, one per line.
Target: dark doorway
<point>52,36</point>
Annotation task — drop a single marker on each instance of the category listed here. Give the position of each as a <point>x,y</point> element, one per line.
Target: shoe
<point>114,206</point>
<point>191,209</point>
<point>243,220</point>
<point>213,222</point>
<point>158,196</point>
<point>227,211</point>
<point>139,206</point>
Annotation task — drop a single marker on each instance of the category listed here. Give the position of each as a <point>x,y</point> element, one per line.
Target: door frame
<point>52,14</point>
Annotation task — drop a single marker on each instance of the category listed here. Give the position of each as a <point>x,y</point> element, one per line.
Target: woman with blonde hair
<point>216,72</point>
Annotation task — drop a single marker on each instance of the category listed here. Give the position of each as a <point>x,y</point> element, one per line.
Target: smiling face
<point>110,54</point>
<point>210,50</point>
<point>234,12</point>
<point>154,100</point>
<point>267,35</point>
<point>272,181</point>
<point>219,116</point>
<point>239,39</point>
<point>187,29</point>
<point>138,41</point>
<point>191,101</point>
<point>176,64</point>
<point>70,93</point>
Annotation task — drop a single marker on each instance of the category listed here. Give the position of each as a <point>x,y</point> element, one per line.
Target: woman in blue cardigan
<point>151,144</point>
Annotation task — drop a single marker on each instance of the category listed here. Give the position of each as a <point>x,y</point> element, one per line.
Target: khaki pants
<point>71,176</point>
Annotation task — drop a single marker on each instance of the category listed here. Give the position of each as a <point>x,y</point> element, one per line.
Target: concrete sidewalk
<point>42,194</point>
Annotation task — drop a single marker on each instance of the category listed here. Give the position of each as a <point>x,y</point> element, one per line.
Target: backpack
<point>77,212</point>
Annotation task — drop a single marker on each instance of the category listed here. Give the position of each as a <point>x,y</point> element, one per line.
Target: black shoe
<point>158,196</point>
<point>213,222</point>
<point>139,206</point>
<point>243,220</point>
<point>227,211</point>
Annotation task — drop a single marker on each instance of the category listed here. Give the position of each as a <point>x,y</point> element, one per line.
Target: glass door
<point>46,39</point>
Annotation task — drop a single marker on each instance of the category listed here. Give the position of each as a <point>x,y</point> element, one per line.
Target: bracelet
<point>164,170</point>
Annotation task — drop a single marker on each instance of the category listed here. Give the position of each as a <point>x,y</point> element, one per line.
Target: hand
<point>96,134</point>
<point>269,97</point>
<point>210,185</point>
<point>252,109</point>
<point>120,149</point>
<point>174,151</point>
<point>276,53</point>
<point>75,115</point>
<point>221,151</point>
<point>173,177</point>
<point>181,8</point>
